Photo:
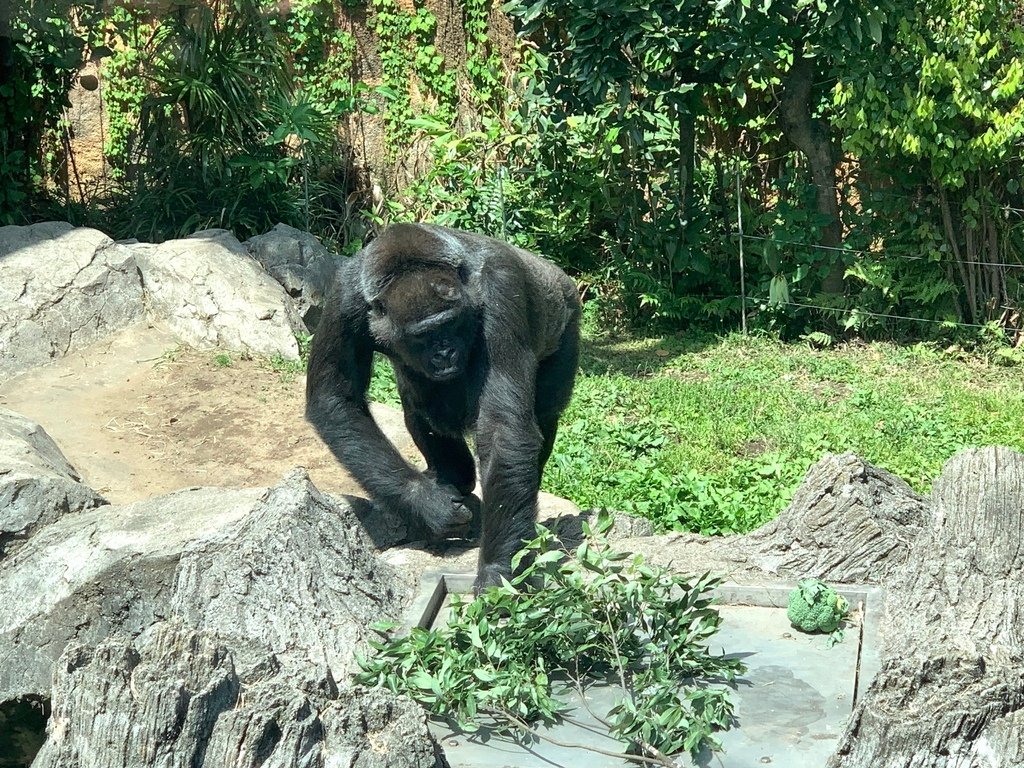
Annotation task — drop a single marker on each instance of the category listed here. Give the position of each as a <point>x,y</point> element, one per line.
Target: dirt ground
<point>139,415</point>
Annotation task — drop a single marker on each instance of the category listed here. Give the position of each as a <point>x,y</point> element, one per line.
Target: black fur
<point>482,336</point>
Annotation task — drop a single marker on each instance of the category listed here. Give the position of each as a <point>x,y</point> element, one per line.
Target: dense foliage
<point>869,148</point>
<point>41,50</point>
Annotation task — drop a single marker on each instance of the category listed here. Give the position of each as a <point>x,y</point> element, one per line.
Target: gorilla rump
<point>483,336</point>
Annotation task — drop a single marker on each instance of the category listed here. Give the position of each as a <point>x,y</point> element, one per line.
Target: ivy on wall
<point>405,43</point>
<point>40,55</point>
<point>483,62</point>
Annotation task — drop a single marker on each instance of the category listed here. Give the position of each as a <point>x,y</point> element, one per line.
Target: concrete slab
<point>791,705</point>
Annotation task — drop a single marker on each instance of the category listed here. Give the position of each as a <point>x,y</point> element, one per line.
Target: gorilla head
<point>482,336</point>
<point>428,320</point>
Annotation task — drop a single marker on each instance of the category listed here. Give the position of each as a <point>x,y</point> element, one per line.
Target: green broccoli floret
<point>815,607</point>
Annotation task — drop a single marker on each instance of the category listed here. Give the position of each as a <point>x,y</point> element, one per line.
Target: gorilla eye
<point>377,307</point>
<point>446,291</point>
<point>463,272</point>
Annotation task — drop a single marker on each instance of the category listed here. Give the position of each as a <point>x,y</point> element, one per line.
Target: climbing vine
<point>483,63</point>
<point>323,57</point>
<point>406,48</point>
<point>124,84</point>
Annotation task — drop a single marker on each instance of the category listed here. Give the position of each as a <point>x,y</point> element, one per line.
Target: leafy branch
<point>570,620</point>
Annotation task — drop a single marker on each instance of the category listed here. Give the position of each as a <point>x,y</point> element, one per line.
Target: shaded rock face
<point>37,484</point>
<point>91,574</point>
<point>61,287</point>
<point>285,570</point>
<point>300,263</point>
<point>298,574</point>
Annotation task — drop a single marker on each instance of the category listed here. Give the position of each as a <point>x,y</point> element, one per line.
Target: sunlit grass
<point>712,433</point>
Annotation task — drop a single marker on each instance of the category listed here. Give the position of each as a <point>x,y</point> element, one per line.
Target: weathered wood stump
<point>951,689</point>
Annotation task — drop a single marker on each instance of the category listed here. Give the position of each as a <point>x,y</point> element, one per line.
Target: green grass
<point>713,434</point>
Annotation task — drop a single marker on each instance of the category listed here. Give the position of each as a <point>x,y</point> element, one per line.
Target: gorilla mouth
<point>445,374</point>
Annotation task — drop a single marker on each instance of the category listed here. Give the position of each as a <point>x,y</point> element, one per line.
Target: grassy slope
<point>713,433</point>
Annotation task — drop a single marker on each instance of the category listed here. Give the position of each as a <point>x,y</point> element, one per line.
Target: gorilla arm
<point>340,365</point>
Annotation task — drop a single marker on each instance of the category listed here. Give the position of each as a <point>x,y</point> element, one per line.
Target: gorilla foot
<point>491,575</point>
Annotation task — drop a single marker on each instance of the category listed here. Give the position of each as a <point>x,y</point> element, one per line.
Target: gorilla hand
<point>442,508</point>
<point>465,484</point>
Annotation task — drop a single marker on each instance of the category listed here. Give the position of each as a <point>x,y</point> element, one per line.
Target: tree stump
<point>951,688</point>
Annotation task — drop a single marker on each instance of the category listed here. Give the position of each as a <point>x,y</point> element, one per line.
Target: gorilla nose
<point>444,358</point>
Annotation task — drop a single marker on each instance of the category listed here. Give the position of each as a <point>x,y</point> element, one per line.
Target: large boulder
<point>61,287</point>
<point>283,571</point>
<point>300,263</point>
<point>37,484</point>
<point>209,291</point>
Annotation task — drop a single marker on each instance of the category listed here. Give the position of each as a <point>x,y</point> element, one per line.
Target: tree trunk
<point>811,136</point>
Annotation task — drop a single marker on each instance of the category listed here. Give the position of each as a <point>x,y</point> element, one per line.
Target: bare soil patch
<point>139,415</point>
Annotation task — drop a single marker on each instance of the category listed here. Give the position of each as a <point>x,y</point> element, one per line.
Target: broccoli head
<point>815,607</point>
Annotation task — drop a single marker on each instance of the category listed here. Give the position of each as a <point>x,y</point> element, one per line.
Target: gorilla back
<point>483,336</point>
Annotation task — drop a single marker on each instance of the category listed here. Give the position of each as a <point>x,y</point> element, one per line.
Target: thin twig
<point>524,726</point>
<point>583,698</point>
<point>648,748</point>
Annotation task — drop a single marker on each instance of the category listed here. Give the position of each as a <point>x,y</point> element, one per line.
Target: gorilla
<point>482,336</point>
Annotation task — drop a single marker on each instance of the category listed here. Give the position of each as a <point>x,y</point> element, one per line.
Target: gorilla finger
<point>462,514</point>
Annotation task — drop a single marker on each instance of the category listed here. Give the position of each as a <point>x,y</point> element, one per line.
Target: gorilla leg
<point>512,457</point>
<point>449,460</point>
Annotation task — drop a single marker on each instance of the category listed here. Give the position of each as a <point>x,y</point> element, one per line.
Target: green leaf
<point>875,28</point>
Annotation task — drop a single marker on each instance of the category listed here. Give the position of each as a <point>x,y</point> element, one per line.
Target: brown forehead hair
<point>407,249</point>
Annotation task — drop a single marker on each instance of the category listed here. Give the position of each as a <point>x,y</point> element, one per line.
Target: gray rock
<point>98,572</point>
<point>61,288</point>
<point>37,484</point>
<point>281,571</point>
<point>298,574</point>
<point>300,263</point>
<point>849,522</point>
<point>174,698</point>
<point>210,292</point>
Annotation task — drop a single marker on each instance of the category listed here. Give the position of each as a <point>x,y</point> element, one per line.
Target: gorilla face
<point>427,320</point>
